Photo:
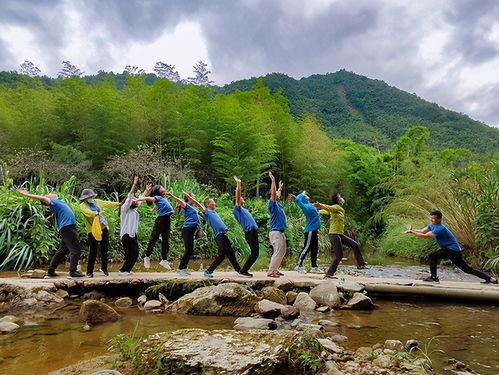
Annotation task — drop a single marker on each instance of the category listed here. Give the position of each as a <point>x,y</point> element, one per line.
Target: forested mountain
<point>371,112</point>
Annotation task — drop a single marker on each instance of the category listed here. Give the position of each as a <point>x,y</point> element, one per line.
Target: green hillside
<point>371,112</point>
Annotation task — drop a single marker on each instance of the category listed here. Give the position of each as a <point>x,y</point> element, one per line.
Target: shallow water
<point>470,330</point>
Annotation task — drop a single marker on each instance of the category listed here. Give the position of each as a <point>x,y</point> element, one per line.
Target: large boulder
<point>274,294</point>
<point>224,299</point>
<point>92,311</point>
<point>361,302</point>
<point>304,302</point>
<point>175,289</point>
<point>246,323</point>
<point>222,352</point>
<point>8,327</point>
<point>326,294</point>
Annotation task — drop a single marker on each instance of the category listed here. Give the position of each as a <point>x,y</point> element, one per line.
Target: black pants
<point>94,245</point>
<point>251,238</point>
<point>337,241</point>
<point>224,250</point>
<point>456,258</point>
<point>161,227</point>
<point>311,245</point>
<point>131,247</point>
<point>188,234</point>
<point>69,245</point>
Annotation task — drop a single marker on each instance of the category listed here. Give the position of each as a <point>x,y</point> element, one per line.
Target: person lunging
<point>449,248</point>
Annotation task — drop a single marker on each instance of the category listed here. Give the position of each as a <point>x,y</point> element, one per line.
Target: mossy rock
<point>224,352</point>
<point>174,289</point>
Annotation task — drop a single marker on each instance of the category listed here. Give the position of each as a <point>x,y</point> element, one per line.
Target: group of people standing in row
<point>98,232</point>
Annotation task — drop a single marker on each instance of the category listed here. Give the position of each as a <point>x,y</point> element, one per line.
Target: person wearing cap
<point>66,221</point>
<point>278,226</point>
<point>312,225</point>
<point>248,223</point>
<point>224,245</point>
<point>161,225</point>
<point>93,208</point>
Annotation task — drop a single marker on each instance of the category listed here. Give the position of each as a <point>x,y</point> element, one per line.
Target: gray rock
<point>12,319</point>
<point>242,324</point>
<point>224,299</point>
<point>37,274</point>
<point>332,369</point>
<point>361,302</point>
<point>123,302</point>
<point>338,338</point>
<point>328,323</point>
<point>383,361</point>
<point>326,294</point>
<point>92,311</point>
<point>323,309</point>
<point>152,304</point>
<point>274,294</point>
<point>268,309</point>
<point>351,287</point>
<point>395,345</point>
<point>304,302</point>
<point>141,300</point>
<point>62,293</point>
<point>163,299</point>
<point>227,352</point>
<point>290,312</point>
<point>8,327</point>
<point>364,352</point>
<point>45,296</point>
<point>330,346</point>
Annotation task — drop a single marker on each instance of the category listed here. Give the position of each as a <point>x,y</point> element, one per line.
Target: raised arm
<point>134,186</point>
<point>147,199</point>
<point>41,198</point>
<point>273,188</point>
<point>238,191</point>
<point>178,200</point>
<point>199,205</point>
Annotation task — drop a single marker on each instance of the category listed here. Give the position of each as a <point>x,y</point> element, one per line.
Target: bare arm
<point>41,198</point>
<point>238,191</point>
<point>134,186</point>
<point>273,189</point>
<point>148,199</point>
<point>195,202</point>
<point>422,233</point>
<point>178,200</point>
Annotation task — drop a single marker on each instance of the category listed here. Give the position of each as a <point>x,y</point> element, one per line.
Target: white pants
<point>278,242</point>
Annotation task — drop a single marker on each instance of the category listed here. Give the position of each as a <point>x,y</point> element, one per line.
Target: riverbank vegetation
<point>72,134</point>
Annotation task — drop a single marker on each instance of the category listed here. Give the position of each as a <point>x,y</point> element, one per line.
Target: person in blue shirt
<point>220,229</point>
<point>449,248</point>
<point>244,217</point>
<point>277,228</point>
<point>66,223</point>
<point>161,225</point>
<point>312,225</point>
<point>191,224</point>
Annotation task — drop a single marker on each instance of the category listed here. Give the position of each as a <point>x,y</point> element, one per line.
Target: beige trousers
<point>278,242</point>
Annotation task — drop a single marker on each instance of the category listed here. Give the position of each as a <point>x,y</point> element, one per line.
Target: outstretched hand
<point>291,197</point>
<point>237,179</point>
<point>135,180</point>
<point>271,176</point>
<point>316,205</point>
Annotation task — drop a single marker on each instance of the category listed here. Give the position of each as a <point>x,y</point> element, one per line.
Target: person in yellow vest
<point>337,233</point>
<point>93,210</point>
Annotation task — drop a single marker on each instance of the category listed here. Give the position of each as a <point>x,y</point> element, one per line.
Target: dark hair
<point>155,190</point>
<point>333,196</point>
<point>436,213</point>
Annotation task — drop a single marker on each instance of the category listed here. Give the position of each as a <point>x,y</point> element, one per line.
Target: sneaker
<point>490,281</point>
<point>328,276</point>
<point>244,274</point>
<point>75,275</point>
<point>90,274</point>
<point>316,270</point>
<point>147,262</point>
<point>124,273</point>
<point>183,272</point>
<point>104,271</point>
<point>207,274</point>
<point>50,275</point>
<point>300,269</point>
<point>432,279</point>
<point>165,264</point>
<point>363,267</point>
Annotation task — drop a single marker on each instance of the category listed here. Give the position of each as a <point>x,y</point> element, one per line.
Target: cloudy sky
<point>445,51</point>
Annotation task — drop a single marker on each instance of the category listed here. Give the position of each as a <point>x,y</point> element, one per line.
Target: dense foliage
<point>104,132</point>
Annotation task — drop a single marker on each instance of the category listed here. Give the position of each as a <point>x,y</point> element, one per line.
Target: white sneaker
<point>183,272</point>
<point>300,269</point>
<point>316,270</point>
<point>124,273</point>
<point>147,262</point>
<point>165,264</point>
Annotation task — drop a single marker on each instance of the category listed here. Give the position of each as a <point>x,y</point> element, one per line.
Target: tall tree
<point>167,71</point>
<point>69,70</point>
<point>133,70</point>
<point>29,69</point>
<point>201,75</point>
